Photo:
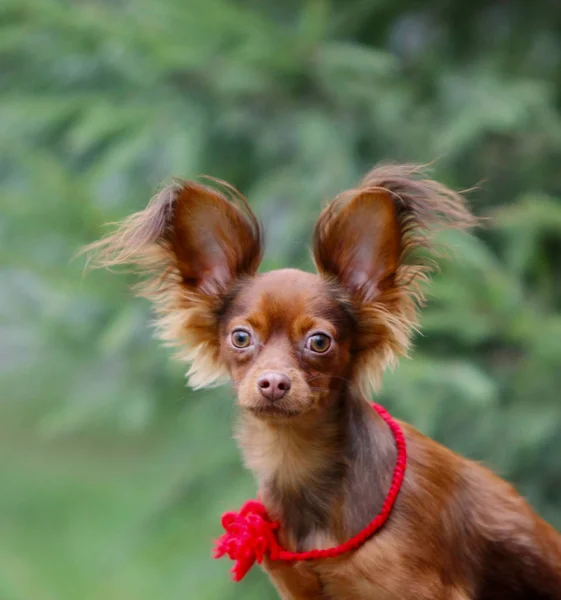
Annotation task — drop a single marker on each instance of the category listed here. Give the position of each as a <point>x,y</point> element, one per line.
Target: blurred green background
<point>113,475</point>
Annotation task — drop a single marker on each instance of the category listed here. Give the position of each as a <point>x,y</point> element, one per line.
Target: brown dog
<point>302,351</point>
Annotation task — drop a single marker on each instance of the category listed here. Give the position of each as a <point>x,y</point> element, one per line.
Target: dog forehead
<point>284,297</point>
<point>289,283</point>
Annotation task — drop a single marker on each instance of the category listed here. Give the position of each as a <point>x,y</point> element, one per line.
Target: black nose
<point>273,385</point>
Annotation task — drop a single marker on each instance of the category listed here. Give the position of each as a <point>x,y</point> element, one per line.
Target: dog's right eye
<point>240,338</point>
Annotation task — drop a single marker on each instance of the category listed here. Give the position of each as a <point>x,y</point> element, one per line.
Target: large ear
<point>209,239</point>
<point>364,243</point>
<point>193,243</point>
<point>358,243</point>
<point>214,241</point>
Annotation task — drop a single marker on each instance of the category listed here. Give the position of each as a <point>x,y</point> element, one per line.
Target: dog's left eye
<point>240,338</point>
<point>318,343</point>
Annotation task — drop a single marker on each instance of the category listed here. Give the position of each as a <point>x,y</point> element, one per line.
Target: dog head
<point>288,340</point>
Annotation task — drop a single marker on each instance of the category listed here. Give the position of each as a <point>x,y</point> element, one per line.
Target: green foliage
<point>113,475</point>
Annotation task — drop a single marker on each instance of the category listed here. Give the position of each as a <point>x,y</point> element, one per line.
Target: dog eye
<point>319,343</point>
<point>240,338</point>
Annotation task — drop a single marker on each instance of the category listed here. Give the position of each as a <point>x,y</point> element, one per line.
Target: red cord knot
<point>250,535</point>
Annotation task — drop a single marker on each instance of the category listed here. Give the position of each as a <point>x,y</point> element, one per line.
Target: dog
<point>352,503</point>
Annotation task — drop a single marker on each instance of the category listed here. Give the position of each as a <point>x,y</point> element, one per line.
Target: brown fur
<point>323,459</point>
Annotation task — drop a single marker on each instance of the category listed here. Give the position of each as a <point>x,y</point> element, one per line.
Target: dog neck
<point>324,477</point>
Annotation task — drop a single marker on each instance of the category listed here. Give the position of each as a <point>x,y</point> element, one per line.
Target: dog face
<point>286,342</point>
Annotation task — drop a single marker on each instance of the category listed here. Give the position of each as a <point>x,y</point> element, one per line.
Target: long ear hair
<point>191,244</point>
<point>365,243</point>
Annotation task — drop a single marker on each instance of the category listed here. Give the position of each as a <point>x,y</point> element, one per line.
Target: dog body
<point>302,350</point>
<point>457,532</point>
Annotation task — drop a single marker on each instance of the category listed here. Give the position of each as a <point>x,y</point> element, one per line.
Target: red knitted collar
<point>250,534</point>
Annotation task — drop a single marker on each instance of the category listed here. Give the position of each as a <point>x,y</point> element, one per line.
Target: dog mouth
<point>272,411</point>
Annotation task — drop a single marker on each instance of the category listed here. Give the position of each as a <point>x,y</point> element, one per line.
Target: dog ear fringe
<point>423,207</point>
<point>186,319</point>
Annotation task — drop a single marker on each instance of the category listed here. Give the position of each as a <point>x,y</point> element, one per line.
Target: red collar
<point>250,534</point>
